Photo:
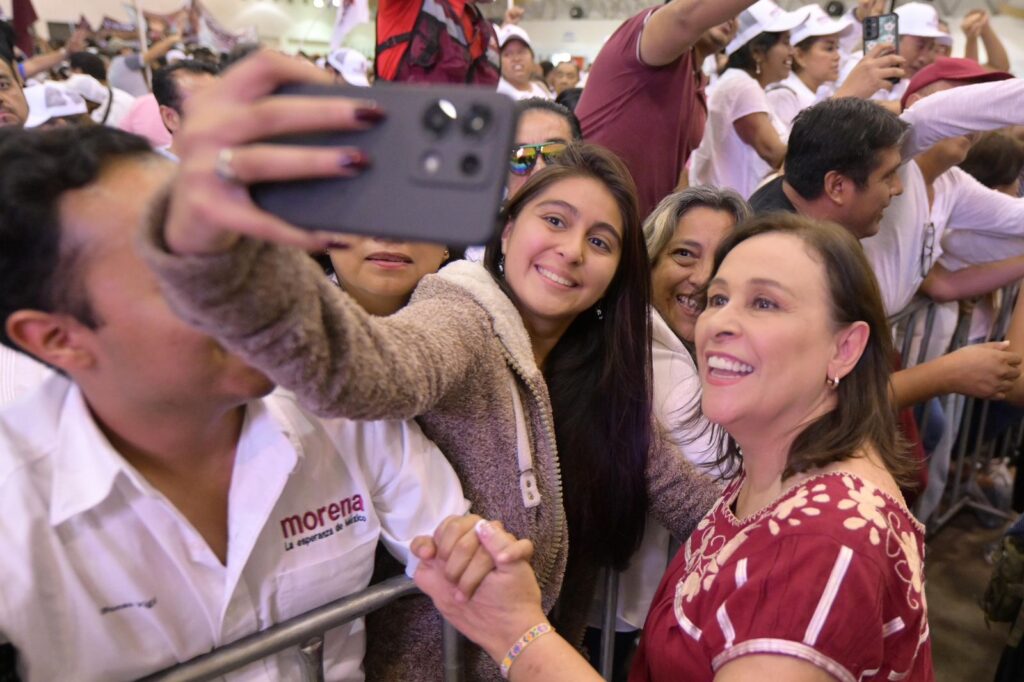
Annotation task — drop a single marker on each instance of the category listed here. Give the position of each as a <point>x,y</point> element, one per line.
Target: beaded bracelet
<point>523,642</point>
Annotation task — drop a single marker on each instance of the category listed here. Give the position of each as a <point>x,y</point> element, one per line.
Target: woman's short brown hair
<point>864,413</point>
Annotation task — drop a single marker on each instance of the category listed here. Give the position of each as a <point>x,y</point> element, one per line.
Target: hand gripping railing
<point>967,464</point>
<point>306,632</point>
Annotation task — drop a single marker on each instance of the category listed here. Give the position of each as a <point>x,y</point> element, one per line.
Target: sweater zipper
<point>544,579</point>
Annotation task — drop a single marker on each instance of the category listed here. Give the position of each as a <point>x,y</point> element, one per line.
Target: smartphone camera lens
<point>470,164</point>
<point>478,120</point>
<point>439,117</point>
<point>431,163</point>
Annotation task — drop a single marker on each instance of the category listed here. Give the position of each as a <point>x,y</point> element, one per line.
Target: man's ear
<point>851,341</point>
<point>837,187</point>
<point>52,338</point>
<point>171,119</point>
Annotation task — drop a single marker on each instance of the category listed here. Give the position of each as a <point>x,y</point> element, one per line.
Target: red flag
<point>24,16</point>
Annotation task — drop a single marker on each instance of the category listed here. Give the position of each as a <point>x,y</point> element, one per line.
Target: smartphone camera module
<point>439,117</point>
<point>478,120</point>
<point>470,164</point>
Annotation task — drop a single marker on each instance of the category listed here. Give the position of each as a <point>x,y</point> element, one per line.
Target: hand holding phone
<point>882,30</point>
<point>436,168</point>
<point>878,70</point>
<point>209,208</point>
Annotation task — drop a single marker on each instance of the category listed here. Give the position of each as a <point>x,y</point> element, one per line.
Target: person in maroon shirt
<point>644,97</point>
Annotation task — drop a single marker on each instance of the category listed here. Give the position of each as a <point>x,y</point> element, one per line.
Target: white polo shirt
<point>104,579</point>
<point>723,159</point>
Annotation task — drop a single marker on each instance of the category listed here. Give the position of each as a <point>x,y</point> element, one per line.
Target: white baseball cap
<point>512,32</point>
<point>819,23</point>
<point>764,16</point>
<point>921,20</point>
<point>351,64</point>
<point>51,100</point>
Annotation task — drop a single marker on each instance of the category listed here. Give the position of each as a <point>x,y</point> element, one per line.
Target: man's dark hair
<point>38,270</point>
<point>845,135</point>
<point>524,105</point>
<point>569,98</point>
<point>89,64</point>
<point>743,58</point>
<point>7,40</point>
<point>165,88</point>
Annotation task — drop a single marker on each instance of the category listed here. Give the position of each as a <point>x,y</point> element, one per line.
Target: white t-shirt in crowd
<point>723,159</point>
<point>536,90</point>
<point>913,236</point>
<point>20,376</point>
<point>676,394</point>
<point>962,203</point>
<point>119,102</point>
<point>791,95</point>
<point>105,579</point>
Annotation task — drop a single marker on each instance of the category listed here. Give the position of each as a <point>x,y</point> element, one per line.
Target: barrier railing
<point>972,455</point>
<point>305,632</point>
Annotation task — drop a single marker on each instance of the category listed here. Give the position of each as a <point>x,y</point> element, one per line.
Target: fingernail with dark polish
<point>370,114</point>
<point>355,161</point>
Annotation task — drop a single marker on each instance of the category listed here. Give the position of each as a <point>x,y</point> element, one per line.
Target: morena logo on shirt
<point>326,519</point>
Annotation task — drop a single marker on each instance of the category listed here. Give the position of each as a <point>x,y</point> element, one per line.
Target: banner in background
<point>24,16</point>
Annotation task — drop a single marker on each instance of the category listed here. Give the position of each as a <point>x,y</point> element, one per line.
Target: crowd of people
<point>679,332</point>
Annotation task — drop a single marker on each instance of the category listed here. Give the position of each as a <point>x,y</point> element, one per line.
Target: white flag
<point>351,13</point>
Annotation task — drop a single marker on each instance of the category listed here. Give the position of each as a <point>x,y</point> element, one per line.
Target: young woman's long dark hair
<point>599,377</point>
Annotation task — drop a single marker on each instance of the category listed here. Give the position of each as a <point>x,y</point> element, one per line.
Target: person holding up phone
<point>816,64</point>
<point>530,372</point>
<point>918,26</point>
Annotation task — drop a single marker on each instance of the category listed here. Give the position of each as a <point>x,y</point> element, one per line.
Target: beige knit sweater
<point>450,359</point>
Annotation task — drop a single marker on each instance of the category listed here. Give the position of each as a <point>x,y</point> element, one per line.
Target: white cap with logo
<point>51,100</point>
<point>921,20</point>
<point>819,23</point>
<point>512,32</point>
<point>764,16</point>
<point>351,64</point>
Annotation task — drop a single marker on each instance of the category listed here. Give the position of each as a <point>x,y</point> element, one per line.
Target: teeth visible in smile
<point>555,278</point>
<point>717,362</point>
<point>688,302</point>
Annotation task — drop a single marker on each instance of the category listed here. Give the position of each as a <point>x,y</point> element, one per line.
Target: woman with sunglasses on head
<point>543,131</point>
<point>531,372</point>
<point>809,568</point>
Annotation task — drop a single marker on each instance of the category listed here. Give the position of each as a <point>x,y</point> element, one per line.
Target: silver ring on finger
<point>223,167</point>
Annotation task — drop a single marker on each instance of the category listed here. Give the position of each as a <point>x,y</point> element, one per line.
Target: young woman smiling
<point>531,373</point>
<point>809,567</point>
<point>816,60</point>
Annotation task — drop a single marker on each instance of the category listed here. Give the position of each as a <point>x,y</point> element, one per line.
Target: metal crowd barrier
<point>306,632</point>
<point>971,455</point>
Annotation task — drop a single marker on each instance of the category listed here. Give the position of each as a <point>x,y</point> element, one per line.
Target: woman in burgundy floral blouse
<point>810,566</point>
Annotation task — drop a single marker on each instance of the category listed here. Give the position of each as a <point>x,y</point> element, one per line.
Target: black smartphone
<point>438,167</point>
<point>882,30</point>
